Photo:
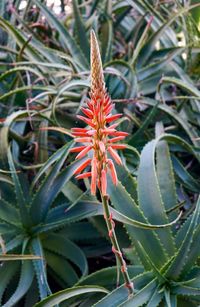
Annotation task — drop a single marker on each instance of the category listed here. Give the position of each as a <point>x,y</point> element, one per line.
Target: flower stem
<point>115,245</point>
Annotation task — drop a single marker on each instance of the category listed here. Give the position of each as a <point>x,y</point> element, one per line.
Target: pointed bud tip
<point>92,35</point>
<point>97,78</point>
<point>93,40</point>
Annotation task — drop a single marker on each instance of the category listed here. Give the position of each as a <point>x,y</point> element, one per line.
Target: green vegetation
<point>55,249</point>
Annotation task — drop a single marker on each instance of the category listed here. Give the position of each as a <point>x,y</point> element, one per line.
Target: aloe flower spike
<point>100,135</point>
<point>100,140</point>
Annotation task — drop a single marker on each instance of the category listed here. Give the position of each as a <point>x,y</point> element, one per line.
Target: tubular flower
<point>101,136</point>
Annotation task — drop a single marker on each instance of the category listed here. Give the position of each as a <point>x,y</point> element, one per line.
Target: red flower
<point>100,135</point>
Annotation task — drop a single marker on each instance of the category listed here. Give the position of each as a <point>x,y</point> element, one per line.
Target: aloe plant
<point>31,217</point>
<point>170,256</point>
<point>28,224</point>
<point>137,70</point>
<point>167,273</point>
<point>150,55</point>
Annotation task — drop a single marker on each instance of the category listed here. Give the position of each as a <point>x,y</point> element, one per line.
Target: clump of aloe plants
<point>99,155</point>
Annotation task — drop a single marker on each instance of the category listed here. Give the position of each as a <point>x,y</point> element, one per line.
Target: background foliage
<point>150,53</point>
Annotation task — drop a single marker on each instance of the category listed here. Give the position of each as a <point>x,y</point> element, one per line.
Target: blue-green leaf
<point>81,31</point>
<point>142,296</point>
<point>126,205</point>
<point>185,177</point>
<point>19,192</point>
<point>67,249</point>
<point>107,277</point>
<point>40,268</point>
<point>48,190</point>
<point>7,271</point>
<point>24,284</point>
<point>63,295</point>
<point>165,177</point>
<point>65,38</point>
<point>149,195</point>
<point>8,213</point>
<point>62,269</point>
<point>182,261</point>
<point>120,295</point>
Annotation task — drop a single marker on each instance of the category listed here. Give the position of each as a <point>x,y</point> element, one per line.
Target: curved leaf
<point>40,268</point>
<point>126,205</point>
<point>186,179</point>
<point>142,296</point>
<point>149,195</point>
<point>63,295</point>
<point>7,271</point>
<point>8,213</point>
<point>81,31</point>
<point>193,135</point>
<point>4,135</point>
<point>19,192</point>
<point>120,295</point>
<point>64,37</point>
<point>107,277</point>
<point>62,269</point>
<point>56,156</point>
<point>67,249</point>
<point>21,68</point>
<point>24,284</point>
<point>48,189</point>
<point>181,261</point>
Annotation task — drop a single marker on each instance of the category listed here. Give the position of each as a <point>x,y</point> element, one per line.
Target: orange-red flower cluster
<point>101,136</point>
